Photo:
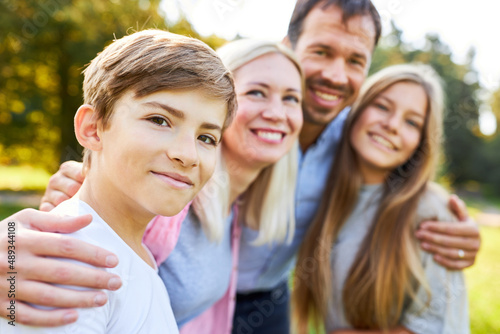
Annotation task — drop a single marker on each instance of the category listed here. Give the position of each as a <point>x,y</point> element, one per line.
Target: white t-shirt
<point>141,305</point>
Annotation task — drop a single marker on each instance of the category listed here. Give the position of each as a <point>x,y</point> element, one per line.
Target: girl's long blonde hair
<point>387,269</point>
<point>268,204</point>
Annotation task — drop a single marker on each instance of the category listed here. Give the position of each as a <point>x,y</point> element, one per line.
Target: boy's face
<point>159,150</point>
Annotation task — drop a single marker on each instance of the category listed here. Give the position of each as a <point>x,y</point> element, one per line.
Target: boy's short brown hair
<point>149,61</point>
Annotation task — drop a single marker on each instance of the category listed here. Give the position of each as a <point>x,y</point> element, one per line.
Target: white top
<point>141,305</point>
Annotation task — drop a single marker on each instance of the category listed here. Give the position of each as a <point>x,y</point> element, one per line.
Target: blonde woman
<point>360,269</point>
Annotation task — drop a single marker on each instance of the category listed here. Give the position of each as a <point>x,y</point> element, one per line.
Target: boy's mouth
<point>174,179</point>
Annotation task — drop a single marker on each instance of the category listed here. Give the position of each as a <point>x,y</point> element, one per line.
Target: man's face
<point>335,58</point>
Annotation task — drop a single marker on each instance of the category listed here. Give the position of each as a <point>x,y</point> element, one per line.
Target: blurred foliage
<point>44,46</point>
<point>495,104</point>
<point>468,155</point>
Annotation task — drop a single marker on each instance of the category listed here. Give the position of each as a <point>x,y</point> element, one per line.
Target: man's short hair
<point>349,9</point>
<point>149,61</point>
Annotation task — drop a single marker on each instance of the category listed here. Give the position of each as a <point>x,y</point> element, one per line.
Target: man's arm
<point>35,270</point>
<point>455,246</point>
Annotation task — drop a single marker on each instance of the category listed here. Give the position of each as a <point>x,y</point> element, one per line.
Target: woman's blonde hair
<point>268,204</point>
<point>387,268</point>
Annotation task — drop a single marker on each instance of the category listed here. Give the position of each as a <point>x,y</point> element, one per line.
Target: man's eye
<point>356,62</point>
<point>208,140</point>
<point>320,52</point>
<point>159,120</point>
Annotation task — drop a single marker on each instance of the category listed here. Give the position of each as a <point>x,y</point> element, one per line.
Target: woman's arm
<point>35,269</point>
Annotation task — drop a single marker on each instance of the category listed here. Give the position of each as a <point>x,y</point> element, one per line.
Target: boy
<point>156,105</point>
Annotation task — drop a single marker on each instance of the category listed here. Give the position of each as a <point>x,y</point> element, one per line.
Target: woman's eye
<point>208,140</point>
<point>292,98</point>
<point>159,120</point>
<point>257,93</point>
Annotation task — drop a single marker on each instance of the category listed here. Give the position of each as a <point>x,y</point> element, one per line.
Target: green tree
<point>495,105</point>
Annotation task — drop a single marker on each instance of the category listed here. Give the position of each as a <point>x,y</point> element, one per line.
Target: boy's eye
<point>208,140</point>
<point>159,120</point>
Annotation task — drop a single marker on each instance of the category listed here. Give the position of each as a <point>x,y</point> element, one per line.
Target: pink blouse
<point>161,237</point>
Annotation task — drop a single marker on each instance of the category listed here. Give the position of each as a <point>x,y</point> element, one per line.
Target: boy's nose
<point>184,152</point>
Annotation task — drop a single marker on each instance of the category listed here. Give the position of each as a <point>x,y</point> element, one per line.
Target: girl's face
<point>269,115</point>
<point>389,130</point>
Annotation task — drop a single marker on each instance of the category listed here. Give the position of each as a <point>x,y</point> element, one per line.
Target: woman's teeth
<point>270,135</point>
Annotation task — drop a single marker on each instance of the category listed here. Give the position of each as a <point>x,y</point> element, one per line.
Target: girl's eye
<point>208,140</point>
<point>256,92</point>
<point>413,123</point>
<point>159,120</point>
<point>381,106</point>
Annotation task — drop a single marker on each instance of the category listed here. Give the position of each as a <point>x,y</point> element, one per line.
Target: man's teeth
<point>269,135</point>
<point>327,97</point>
<point>383,141</point>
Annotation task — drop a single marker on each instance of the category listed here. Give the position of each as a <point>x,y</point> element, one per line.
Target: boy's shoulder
<point>97,232</point>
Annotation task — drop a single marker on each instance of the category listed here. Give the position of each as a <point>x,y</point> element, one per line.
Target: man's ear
<point>87,128</point>
<point>286,42</point>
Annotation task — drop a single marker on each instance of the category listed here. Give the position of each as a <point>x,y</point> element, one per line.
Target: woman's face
<point>389,130</point>
<point>269,115</point>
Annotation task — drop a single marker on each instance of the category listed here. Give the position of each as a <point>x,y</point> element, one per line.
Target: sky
<point>460,24</point>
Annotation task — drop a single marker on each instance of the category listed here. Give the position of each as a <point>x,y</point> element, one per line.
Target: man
<point>334,40</point>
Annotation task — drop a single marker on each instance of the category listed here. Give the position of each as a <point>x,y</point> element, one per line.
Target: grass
<point>23,178</point>
<point>8,209</point>
<point>482,284</point>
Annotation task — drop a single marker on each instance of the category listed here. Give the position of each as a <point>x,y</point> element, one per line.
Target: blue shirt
<point>197,272</point>
<point>264,267</point>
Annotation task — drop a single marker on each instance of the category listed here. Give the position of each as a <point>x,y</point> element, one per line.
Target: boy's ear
<point>87,128</point>
<point>286,42</point>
